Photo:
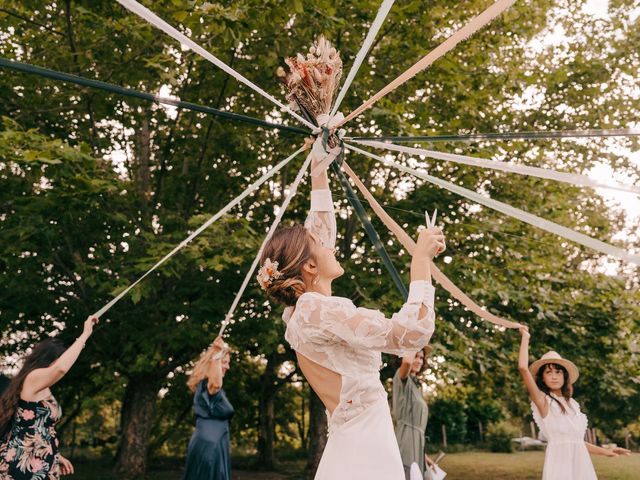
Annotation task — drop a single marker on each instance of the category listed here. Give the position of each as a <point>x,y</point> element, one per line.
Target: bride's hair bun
<point>290,250</point>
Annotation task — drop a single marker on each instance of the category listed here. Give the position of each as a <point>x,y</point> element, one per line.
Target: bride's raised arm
<point>321,219</point>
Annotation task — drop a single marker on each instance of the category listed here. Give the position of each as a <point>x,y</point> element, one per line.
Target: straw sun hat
<point>554,357</point>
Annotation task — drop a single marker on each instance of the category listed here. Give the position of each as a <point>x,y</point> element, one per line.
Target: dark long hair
<point>396,362</point>
<point>43,355</point>
<point>566,389</point>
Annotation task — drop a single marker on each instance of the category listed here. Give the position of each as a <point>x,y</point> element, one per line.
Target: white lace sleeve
<point>321,219</point>
<point>339,319</point>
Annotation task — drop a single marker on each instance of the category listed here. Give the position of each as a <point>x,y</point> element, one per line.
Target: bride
<point>339,345</point>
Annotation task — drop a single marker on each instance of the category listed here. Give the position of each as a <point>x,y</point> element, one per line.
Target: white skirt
<point>364,448</point>
<point>568,461</point>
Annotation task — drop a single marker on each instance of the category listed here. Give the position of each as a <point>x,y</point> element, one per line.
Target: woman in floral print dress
<point>32,451</point>
<point>29,412</point>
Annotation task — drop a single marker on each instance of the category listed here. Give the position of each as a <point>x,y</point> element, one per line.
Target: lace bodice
<point>561,427</point>
<point>334,333</point>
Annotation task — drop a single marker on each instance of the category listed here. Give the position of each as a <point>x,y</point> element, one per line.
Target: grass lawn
<point>459,466</point>
<point>528,466</point>
<point>101,471</point>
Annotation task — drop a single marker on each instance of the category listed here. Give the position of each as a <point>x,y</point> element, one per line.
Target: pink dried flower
<point>313,80</point>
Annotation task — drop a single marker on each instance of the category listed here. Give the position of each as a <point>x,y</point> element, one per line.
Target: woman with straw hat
<point>412,412</point>
<point>549,381</point>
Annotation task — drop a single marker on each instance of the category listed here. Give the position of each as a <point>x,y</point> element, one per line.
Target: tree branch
<point>167,155</point>
<point>157,443</point>
<point>74,52</point>
<point>194,185</point>
<point>28,20</point>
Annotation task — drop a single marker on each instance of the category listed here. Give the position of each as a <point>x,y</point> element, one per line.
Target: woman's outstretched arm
<point>613,452</point>
<point>537,397</point>
<point>405,366</point>
<point>43,378</point>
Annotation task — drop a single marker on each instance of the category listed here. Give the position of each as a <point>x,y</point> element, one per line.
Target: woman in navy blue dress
<point>208,456</point>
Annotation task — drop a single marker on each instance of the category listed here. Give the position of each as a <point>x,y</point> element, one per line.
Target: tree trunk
<point>266,433</point>
<point>137,421</point>
<point>302,427</point>
<point>318,430</point>
<point>271,384</point>
<point>266,419</point>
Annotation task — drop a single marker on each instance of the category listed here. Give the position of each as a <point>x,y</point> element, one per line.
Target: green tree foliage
<point>96,188</point>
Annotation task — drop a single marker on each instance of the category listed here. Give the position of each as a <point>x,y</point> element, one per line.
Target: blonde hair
<point>201,368</point>
<point>291,248</point>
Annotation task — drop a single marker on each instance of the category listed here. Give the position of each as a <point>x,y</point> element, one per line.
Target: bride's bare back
<point>339,347</point>
<point>326,383</point>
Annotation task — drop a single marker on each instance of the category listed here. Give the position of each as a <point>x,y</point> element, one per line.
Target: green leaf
<point>136,294</point>
<point>180,16</point>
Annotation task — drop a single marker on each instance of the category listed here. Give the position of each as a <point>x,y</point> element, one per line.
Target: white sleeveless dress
<point>566,456</point>
<point>337,335</point>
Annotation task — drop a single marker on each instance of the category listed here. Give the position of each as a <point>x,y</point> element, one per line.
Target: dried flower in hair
<point>268,273</point>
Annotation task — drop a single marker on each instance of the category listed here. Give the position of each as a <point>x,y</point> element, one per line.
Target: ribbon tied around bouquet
<point>322,153</point>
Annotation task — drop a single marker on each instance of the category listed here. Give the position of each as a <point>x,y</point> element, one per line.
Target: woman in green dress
<point>411,412</point>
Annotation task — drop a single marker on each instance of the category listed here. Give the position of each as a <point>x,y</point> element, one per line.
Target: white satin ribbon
<point>409,244</point>
<point>572,178</point>
<point>512,211</point>
<point>251,188</point>
<point>153,19</point>
<point>293,188</point>
<point>469,29</point>
<point>383,11</point>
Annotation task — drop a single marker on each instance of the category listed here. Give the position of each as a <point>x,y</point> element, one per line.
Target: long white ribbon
<point>410,245</point>
<point>383,11</point>
<point>153,19</point>
<point>251,188</point>
<point>469,29</point>
<point>572,178</point>
<point>293,188</point>
<point>512,211</point>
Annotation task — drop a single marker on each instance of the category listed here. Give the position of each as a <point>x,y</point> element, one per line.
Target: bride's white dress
<point>337,335</point>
